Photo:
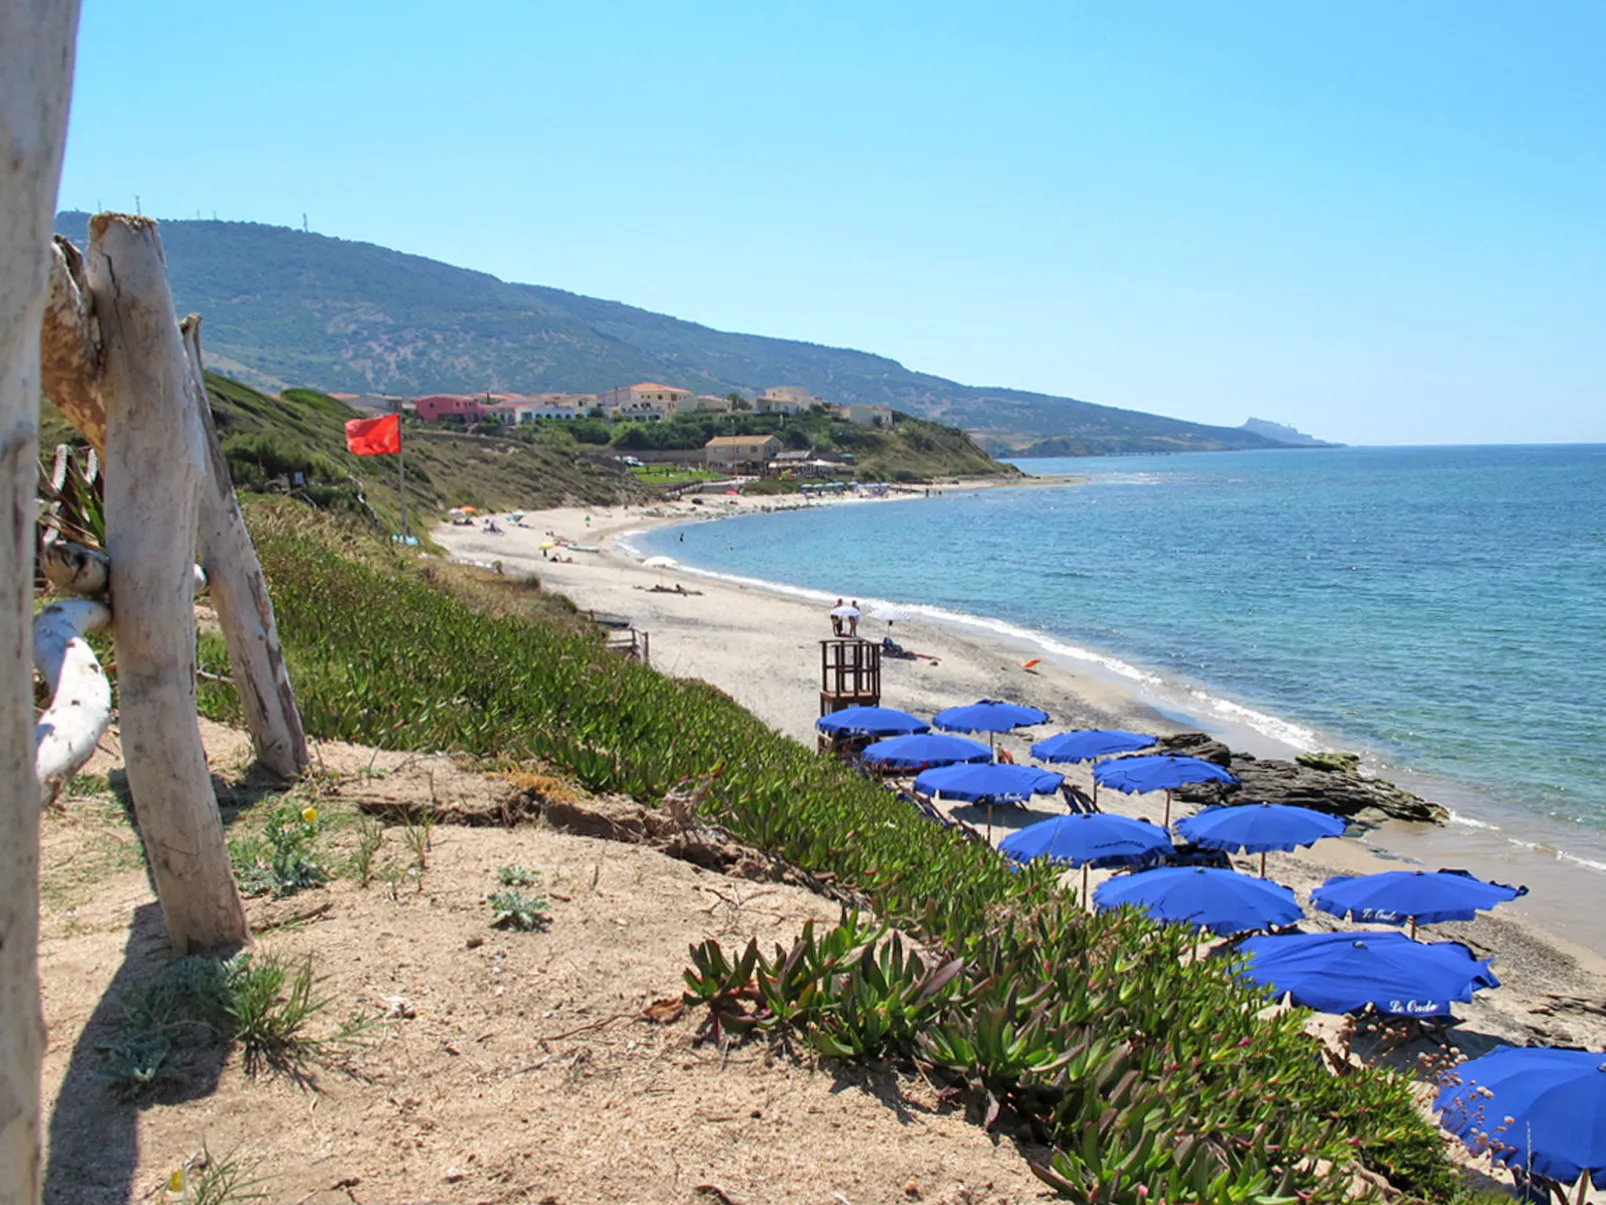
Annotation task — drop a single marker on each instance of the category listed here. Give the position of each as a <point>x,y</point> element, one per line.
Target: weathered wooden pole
<point>240,595</point>
<point>36,63</point>
<point>154,465</point>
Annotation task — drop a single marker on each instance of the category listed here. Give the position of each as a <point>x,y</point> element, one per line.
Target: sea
<point>1439,610</point>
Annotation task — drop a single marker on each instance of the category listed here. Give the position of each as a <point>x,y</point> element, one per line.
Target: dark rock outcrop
<point>1322,782</point>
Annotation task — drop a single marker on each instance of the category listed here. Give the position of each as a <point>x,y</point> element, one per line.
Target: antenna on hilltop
<point>137,209</point>
<point>304,229</point>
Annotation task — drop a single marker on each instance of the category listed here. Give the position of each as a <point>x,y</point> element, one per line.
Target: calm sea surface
<point>1441,609</point>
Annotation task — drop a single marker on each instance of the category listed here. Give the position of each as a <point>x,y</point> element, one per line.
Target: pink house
<point>446,405</point>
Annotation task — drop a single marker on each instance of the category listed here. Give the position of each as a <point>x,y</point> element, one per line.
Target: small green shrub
<point>517,876</point>
<point>370,836</point>
<point>269,1006</point>
<point>284,860</point>
<point>515,910</point>
<point>210,1180</point>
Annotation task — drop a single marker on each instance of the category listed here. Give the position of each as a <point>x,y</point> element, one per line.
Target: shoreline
<point>758,642</point>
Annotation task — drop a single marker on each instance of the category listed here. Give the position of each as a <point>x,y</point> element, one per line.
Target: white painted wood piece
<point>80,697</point>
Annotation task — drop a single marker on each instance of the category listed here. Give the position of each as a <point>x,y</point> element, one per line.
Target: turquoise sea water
<point>1441,609</point>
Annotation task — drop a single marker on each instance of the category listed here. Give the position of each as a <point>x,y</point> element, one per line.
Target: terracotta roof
<point>728,441</point>
<point>649,387</point>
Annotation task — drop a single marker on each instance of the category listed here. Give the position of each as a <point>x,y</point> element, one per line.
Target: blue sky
<point>1380,222</point>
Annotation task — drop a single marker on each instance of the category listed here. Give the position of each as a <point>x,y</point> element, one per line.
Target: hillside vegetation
<point>1152,1077</point>
<point>270,439</point>
<point>283,307</point>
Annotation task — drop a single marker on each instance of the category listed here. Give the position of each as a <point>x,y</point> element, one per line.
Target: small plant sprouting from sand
<point>255,1001</point>
<point>370,836</point>
<point>418,835</point>
<point>208,1179</point>
<point>284,859</point>
<point>517,876</point>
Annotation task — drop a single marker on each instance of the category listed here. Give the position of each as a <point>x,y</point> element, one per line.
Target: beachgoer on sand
<point>836,618</point>
<point>853,619</point>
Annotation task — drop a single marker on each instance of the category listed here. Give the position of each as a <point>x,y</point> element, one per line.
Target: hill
<point>1285,434</point>
<point>284,307</point>
<point>295,442</point>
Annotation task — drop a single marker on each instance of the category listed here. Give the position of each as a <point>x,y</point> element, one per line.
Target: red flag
<point>374,436</point>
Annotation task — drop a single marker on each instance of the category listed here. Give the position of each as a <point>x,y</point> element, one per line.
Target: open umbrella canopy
<point>1521,1099</point>
<point>1346,972</point>
<point>1222,901</point>
<point>659,562</point>
<point>1397,896</point>
<point>1157,772</point>
<point>988,782</point>
<point>1085,744</point>
<point>1089,839</point>
<point>919,750</point>
<point>1257,828</point>
<point>988,715</point>
<point>871,721</point>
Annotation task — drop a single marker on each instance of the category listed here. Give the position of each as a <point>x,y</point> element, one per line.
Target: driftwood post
<point>240,594</point>
<point>155,460</point>
<point>36,62</point>
<point>73,368</point>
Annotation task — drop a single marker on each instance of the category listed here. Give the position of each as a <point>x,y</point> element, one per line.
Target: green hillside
<point>270,440</point>
<point>284,307</point>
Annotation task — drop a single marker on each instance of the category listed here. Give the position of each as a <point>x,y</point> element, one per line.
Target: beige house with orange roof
<point>647,400</point>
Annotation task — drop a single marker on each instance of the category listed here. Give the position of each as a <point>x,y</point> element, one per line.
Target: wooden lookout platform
<point>850,674</point>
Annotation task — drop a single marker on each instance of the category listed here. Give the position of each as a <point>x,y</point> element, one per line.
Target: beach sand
<point>762,647</point>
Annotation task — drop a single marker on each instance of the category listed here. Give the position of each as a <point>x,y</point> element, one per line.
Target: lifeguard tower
<point>850,674</point>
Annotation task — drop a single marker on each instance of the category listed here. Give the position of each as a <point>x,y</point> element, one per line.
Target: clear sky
<point>1382,222</point>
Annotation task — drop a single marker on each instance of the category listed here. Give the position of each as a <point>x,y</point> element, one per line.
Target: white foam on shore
<point>1150,687</point>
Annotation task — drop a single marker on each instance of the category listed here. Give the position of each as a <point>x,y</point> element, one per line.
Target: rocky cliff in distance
<point>1285,435</point>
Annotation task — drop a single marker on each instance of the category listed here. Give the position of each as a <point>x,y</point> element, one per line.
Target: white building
<point>867,416</point>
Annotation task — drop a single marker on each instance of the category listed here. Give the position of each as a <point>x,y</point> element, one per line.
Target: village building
<point>646,401</point>
<point>741,451</point>
<point>784,399</point>
<point>709,403</point>
<point>867,416</point>
<point>449,405</point>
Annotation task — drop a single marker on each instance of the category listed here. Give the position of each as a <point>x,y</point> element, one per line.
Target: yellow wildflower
<point>310,815</point>
<point>175,1182</point>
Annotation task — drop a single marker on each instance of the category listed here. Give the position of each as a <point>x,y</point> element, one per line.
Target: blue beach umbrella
<point>988,783</point>
<point>919,750</point>
<point>1397,896</point>
<point>989,716</point>
<point>1522,1099</point>
<point>1346,972</point>
<point>1087,744</point>
<point>1222,901</point>
<point>1088,839</point>
<point>871,721</point>
<point>1158,772</point>
<point>1257,828</point>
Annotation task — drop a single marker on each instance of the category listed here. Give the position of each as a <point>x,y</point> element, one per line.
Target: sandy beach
<point>760,645</point>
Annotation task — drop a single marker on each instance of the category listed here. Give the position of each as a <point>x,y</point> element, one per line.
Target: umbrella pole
<point>1583,1183</point>
<point>989,823</point>
<point>1087,902</point>
<point>1413,928</point>
<point>1168,809</point>
<point>1263,864</point>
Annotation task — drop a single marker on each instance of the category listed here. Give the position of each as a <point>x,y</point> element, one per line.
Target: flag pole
<point>401,479</point>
